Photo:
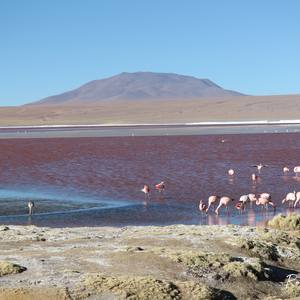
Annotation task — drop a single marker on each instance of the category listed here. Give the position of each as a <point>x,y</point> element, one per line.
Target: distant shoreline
<point>107,125</point>
<point>115,130</point>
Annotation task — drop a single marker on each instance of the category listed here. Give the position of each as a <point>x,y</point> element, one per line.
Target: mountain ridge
<point>141,86</point>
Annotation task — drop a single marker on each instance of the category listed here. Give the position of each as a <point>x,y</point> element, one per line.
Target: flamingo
<point>202,206</point>
<point>297,170</point>
<point>292,197</point>
<point>212,200</point>
<point>231,172</point>
<point>253,177</point>
<point>240,206</point>
<point>30,205</point>
<point>146,191</point>
<point>289,197</point>
<point>252,198</point>
<point>224,201</point>
<point>297,199</point>
<point>244,199</point>
<point>265,196</point>
<point>259,167</point>
<point>160,187</point>
<point>285,169</point>
<point>264,202</point>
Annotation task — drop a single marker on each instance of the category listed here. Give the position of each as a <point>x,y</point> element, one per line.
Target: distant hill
<point>141,86</point>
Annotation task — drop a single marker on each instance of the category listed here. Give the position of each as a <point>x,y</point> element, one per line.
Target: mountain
<point>141,86</point>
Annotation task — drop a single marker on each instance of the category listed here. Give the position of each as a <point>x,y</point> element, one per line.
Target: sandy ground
<point>173,111</point>
<point>172,262</point>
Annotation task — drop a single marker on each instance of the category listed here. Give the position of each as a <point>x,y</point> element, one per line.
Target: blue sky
<point>51,46</point>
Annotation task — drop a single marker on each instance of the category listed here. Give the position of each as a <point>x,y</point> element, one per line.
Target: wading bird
<point>146,191</point>
<point>30,205</point>
<point>224,201</point>
<point>297,170</point>
<point>253,177</point>
<point>252,198</point>
<point>244,199</point>
<point>231,172</point>
<point>259,167</point>
<point>266,196</point>
<point>202,206</point>
<point>292,198</point>
<point>264,203</point>
<point>240,206</point>
<point>212,201</point>
<point>160,187</point>
<point>285,169</point>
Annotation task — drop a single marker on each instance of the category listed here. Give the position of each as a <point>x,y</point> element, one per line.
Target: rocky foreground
<point>172,262</point>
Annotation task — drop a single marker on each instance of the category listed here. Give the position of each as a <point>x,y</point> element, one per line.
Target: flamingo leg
<point>217,209</point>
<point>208,207</point>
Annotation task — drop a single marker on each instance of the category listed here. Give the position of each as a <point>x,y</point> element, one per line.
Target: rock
<point>7,268</point>
<point>4,228</point>
<point>134,249</point>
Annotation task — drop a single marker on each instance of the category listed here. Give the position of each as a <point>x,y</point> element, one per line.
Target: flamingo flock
<point>262,200</point>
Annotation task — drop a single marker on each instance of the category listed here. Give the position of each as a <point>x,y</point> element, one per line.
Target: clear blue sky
<point>51,46</point>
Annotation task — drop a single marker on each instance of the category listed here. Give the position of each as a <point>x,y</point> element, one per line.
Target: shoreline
<point>120,130</point>
<point>206,123</point>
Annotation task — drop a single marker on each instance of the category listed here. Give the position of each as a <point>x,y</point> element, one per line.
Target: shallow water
<point>97,181</point>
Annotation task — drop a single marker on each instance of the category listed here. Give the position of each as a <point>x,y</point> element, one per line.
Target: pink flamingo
<point>254,177</point>
<point>230,172</point>
<point>247,198</point>
<point>240,206</point>
<point>146,191</point>
<point>297,170</point>
<point>264,202</point>
<point>212,201</point>
<point>291,198</point>
<point>285,169</point>
<point>202,206</point>
<point>297,199</point>
<point>252,198</point>
<point>160,187</point>
<point>224,201</point>
<point>266,196</point>
<point>259,167</point>
<point>244,199</point>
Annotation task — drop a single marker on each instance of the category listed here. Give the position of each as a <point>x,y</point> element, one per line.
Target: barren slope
<point>210,109</point>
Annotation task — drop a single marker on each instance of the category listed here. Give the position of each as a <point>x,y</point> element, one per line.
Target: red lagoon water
<point>97,181</point>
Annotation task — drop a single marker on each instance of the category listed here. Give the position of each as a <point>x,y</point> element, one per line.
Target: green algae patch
<point>147,288</point>
<point>191,290</point>
<point>252,270</point>
<point>260,249</point>
<point>198,259</point>
<point>218,266</point>
<point>285,251</point>
<point>7,268</point>
<point>289,222</point>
